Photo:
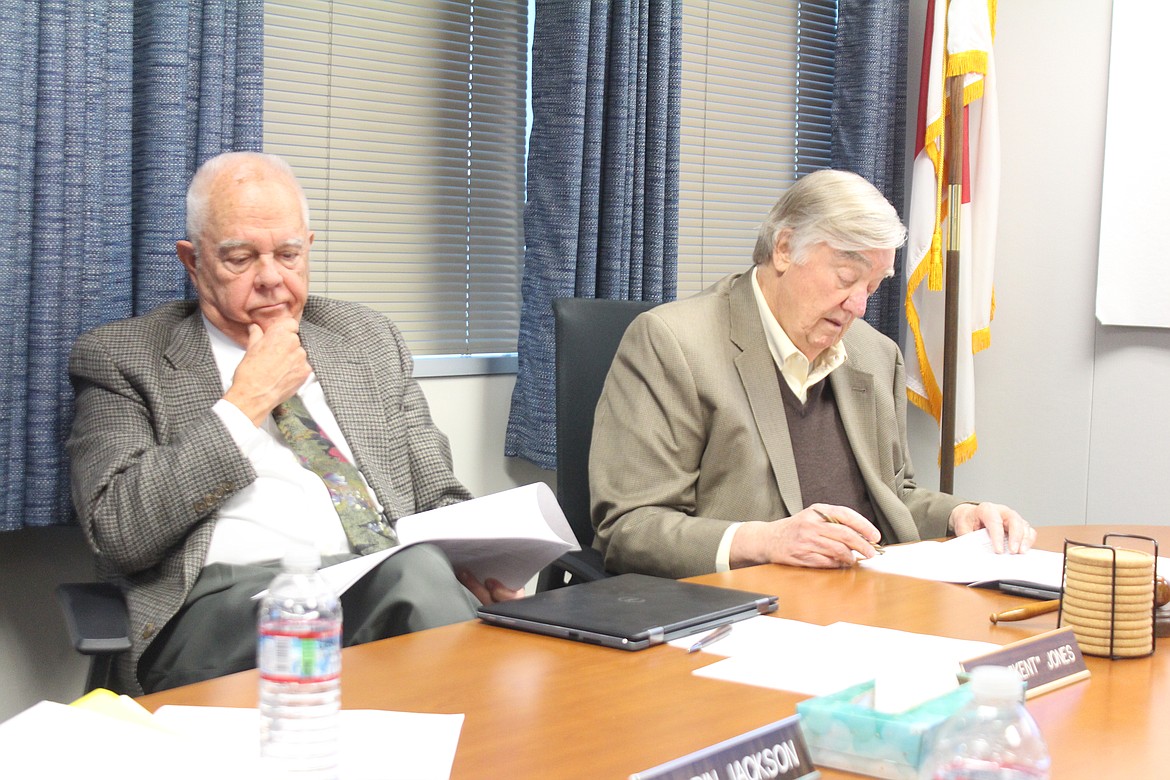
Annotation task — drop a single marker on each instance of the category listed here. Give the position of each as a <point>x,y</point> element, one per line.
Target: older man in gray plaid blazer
<point>164,446</point>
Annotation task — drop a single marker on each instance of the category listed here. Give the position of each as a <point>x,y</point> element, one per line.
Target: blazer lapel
<point>856,403</point>
<point>193,384</point>
<point>757,371</point>
<point>352,396</point>
<point>853,390</point>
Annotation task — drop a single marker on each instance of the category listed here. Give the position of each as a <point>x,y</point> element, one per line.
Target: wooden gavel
<point>1161,599</point>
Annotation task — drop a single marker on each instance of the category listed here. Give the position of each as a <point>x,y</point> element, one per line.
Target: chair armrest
<point>585,564</point>
<point>95,616</point>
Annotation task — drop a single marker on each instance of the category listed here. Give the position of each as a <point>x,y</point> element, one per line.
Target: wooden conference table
<point>538,707</point>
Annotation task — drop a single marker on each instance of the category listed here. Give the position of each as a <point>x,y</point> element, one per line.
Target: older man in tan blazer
<point>763,420</point>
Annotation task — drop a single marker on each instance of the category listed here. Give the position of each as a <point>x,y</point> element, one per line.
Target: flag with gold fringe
<point>958,42</point>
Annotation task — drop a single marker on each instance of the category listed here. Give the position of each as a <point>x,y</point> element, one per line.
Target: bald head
<point>248,252</point>
<point>232,170</point>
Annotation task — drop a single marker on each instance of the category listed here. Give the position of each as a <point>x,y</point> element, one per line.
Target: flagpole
<point>954,166</point>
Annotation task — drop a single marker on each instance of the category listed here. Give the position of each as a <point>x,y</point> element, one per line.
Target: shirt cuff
<point>723,553</point>
<point>246,435</point>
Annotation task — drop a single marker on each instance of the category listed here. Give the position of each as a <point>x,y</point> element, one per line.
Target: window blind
<point>405,122</point>
<point>757,90</point>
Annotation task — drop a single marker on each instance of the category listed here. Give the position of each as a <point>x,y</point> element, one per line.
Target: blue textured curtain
<point>601,219</point>
<point>108,108</point>
<point>869,118</point>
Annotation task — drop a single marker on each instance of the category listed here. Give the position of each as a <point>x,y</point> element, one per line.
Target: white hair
<point>837,208</point>
<point>245,166</point>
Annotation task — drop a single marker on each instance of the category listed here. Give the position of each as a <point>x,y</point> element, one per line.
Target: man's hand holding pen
<point>877,548</point>
<point>823,536</point>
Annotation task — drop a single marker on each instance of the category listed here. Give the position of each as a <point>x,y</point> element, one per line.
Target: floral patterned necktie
<point>365,528</point>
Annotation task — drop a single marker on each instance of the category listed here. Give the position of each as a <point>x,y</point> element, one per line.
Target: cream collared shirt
<point>796,370</point>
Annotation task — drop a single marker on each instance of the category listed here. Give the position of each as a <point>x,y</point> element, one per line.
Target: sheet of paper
<point>892,647</point>
<point>375,744</point>
<point>818,660</point>
<point>966,559</point>
<point>510,536</point>
<point>760,634</point>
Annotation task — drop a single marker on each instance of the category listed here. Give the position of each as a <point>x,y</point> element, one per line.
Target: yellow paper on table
<point>106,702</point>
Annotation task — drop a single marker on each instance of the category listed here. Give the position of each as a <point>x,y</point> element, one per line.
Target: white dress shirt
<point>287,504</point>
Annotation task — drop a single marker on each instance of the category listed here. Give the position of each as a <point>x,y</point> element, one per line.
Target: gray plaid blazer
<point>691,435</point>
<point>151,463</point>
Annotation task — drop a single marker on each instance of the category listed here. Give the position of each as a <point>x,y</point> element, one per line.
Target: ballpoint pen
<point>711,638</point>
<point>877,548</point>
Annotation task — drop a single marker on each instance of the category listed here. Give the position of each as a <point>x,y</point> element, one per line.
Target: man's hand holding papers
<point>1007,531</point>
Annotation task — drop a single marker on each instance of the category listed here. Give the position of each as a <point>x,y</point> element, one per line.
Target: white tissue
<point>901,688</point>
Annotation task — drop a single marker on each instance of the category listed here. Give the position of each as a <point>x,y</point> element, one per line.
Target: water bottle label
<point>300,657</point>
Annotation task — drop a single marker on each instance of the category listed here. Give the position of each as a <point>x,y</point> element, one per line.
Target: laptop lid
<point>628,611</point>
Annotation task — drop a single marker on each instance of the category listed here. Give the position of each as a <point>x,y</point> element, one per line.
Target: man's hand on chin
<point>274,367</point>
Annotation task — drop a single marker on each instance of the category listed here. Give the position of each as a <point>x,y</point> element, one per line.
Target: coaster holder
<point>1105,545</point>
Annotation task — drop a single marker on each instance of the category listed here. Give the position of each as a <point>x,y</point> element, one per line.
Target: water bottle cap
<point>301,558</point>
<point>996,683</point>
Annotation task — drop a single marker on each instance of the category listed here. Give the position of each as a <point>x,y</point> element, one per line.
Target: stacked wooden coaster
<point>1109,600</point>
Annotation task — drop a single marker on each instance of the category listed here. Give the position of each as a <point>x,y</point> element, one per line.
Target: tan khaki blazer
<point>691,435</point>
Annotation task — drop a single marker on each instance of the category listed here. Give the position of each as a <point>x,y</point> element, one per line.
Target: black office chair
<point>588,332</point>
<point>98,625</point>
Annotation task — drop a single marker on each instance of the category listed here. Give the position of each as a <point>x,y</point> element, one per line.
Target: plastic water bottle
<point>992,738</point>
<point>299,658</point>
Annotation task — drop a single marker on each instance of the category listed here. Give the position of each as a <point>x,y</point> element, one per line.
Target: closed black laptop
<point>629,611</point>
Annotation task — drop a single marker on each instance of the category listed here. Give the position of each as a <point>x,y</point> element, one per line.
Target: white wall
<point>1071,417</point>
<point>1072,424</point>
<point>473,412</point>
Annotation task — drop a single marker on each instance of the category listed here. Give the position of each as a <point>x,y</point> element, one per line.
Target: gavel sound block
<point>1161,599</point>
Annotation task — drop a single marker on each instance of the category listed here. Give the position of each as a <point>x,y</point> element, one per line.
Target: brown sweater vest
<point>825,464</point>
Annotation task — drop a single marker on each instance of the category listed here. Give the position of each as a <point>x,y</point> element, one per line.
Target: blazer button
<point>148,631</point>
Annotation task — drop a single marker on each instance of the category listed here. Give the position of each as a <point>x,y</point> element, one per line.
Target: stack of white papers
<point>375,744</point>
<point>58,740</point>
<point>790,655</point>
<point>970,559</point>
<point>966,559</point>
<point>509,536</point>
<point>105,736</point>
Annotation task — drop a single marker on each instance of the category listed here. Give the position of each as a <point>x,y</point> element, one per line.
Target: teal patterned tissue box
<point>843,731</point>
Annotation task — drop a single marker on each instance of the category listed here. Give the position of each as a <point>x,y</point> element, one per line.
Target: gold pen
<point>877,548</point>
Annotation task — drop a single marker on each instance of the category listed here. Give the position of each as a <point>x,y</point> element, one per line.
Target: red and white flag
<point>958,42</point>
